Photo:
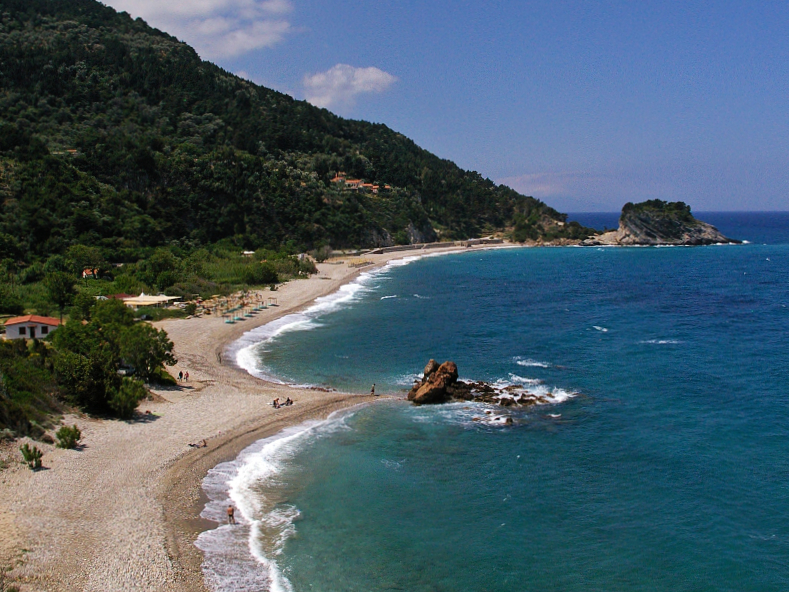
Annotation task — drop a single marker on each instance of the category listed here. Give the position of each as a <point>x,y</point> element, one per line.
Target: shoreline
<point>128,502</point>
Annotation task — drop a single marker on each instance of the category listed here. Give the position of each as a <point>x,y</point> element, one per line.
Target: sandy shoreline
<point>122,513</point>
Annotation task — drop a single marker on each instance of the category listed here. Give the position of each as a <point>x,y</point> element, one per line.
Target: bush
<point>9,302</point>
<point>190,308</point>
<point>125,400</point>
<point>258,274</point>
<point>320,255</point>
<point>68,437</point>
<point>32,456</point>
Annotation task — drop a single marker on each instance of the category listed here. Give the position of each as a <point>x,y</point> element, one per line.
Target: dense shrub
<point>125,400</point>
<point>90,355</point>
<point>68,437</point>
<point>259,274</point>
<point>32,456</point>
<point>27,387</point>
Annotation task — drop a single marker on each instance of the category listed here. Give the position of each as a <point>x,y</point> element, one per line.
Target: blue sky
<point>585,105</point>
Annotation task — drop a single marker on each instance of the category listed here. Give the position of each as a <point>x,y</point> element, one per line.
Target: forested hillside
<point>116,135</point>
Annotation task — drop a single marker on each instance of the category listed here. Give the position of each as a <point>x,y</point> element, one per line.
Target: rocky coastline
<point>659,223</point>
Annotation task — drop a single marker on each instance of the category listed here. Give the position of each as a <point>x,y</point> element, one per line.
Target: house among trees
<point>358,184</point>
<point>30,327</point>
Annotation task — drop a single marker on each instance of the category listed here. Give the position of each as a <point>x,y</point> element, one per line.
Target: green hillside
<point>116,135</point>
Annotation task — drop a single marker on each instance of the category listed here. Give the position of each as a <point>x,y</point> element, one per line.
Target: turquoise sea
<point>663,463</point>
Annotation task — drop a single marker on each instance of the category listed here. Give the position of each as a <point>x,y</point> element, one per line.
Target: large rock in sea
<point>657,222</point>
<point>435,383</point>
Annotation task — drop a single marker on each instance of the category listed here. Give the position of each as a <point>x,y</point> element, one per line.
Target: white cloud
<point>340,85</point>
<point>216,28</point>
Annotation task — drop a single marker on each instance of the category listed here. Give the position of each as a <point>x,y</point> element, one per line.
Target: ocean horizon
<point>658,463</point>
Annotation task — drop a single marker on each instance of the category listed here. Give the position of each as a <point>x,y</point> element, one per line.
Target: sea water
<point>663,463</point>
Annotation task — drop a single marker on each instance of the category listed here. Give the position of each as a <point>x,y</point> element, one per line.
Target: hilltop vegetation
<point>676,210</point>
<point>117,136</point>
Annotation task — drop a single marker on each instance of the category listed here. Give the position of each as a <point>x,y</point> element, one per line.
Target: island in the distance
<point>656,222</point>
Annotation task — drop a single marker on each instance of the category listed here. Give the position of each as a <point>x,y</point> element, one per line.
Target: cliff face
<point>656,222</point>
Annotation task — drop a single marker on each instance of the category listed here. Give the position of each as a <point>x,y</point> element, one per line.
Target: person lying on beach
<point>201,444</point>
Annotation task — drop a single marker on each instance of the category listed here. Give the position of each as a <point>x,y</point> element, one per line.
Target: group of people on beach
<point>183,376</point>
<point>286,403</point>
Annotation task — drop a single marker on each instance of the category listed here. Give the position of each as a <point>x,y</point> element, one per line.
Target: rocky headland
<point>657,222</point>
<point>440,384</point>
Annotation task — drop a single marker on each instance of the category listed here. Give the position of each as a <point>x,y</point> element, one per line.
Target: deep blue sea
<point>662,465</point>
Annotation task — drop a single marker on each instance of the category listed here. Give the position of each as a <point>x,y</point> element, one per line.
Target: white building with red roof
<point>30,326</point>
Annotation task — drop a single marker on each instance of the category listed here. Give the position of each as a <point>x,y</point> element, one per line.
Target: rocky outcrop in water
<point>657,222</point>
<point>435,384</point>
<point>440,384</point>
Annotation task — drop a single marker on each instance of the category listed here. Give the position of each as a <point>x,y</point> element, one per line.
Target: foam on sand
<point>245,556</point>
<point>247,348</point>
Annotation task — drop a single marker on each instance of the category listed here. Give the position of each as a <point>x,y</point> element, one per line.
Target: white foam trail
<point>602,329</point>
<point>529,363</point>
<point>523,380</point>
<point>388,297</point>
<point>661,341</point>
<point>545,395</point>
<point>244,557</point>
<point>246,349</point>
<point>408,379</point>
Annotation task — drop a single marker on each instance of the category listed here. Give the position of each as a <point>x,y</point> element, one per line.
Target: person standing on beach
<point>180,375</point>
<point>372,390</point>
<point>231,515</point>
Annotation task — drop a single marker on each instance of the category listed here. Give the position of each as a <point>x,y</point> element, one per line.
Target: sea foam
<point>245,556</point>
<point>246,350</point>
<point>530,363</point>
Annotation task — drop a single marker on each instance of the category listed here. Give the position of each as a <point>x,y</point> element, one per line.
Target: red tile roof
<point>33,319</point>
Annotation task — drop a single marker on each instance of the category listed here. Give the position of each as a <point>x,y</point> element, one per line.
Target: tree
<point>9,248</point>
<point>82,306</point>
<point>9,302</point>
<point>125,400</point>
<point>87,381</point>
<point>108,313</point>
<point>146,349</point>
<point>60,288</point>
<point>258,274</point>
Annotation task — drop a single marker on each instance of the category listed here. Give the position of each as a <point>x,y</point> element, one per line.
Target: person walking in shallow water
<point>231,515</point>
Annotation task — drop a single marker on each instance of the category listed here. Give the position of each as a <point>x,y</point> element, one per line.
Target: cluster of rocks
<point>440,384</point>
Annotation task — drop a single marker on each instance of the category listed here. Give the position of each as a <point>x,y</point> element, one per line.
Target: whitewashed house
<point>30,326</point>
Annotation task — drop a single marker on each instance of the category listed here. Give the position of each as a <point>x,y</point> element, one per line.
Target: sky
<point>585,105</point>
